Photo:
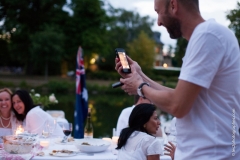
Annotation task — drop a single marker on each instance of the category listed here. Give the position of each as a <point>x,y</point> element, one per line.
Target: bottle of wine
<point>88,130</point>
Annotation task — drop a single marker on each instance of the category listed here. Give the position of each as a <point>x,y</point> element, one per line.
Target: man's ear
<point>174,6</point>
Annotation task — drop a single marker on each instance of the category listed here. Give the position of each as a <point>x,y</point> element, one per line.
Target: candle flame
<point>19,130</point>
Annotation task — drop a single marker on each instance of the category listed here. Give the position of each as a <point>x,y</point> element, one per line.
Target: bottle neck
<point>88,118</point>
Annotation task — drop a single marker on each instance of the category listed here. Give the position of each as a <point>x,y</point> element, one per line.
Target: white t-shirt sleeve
<point>122,122</point>
<point>155,148</point>
<point>202,59</point>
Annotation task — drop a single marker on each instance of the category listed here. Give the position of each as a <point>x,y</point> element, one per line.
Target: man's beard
<point>173,27</point>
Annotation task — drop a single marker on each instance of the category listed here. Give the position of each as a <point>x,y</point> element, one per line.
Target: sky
<point>216,9</point>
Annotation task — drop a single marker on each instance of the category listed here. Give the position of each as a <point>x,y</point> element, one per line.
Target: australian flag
<point>81,107</point>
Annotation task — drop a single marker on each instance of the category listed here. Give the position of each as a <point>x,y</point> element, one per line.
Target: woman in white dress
<point>33,117</point>
<point>136,141</point>
<point>8,121</point>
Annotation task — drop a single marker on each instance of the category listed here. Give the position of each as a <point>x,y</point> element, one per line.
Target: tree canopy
<point>142,51</point>
<point>39,35</point>
<point>233,16</point>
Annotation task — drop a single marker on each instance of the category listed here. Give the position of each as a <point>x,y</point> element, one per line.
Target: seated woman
<point>136,141</point>
<point>8,121</point>
<point>33,116</point>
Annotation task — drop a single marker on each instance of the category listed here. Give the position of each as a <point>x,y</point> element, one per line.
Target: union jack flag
<point>81,106</point>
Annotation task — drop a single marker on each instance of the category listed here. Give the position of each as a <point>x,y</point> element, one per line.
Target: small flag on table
<point>81,106</point>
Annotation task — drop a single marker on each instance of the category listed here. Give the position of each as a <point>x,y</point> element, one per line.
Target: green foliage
<point>85,28</point>
<point>6,84</point>
<point>181,47</point>
<point>123,28</point>
<point>233,16</point>
<point>43,100</point>
<point>166,73</point>
<point>104,75</point>
<point>59,86</point>
<point>28,18</point>
<point>142,51</point>
<point>47,44</point>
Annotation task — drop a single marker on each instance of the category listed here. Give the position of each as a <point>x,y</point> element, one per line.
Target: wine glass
<point>67,130</point>
<point>171,135</point>
<point>167,130</point>
<point>45,131</point>
<point>51,126</point>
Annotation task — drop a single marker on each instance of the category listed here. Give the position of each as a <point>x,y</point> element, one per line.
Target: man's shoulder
<point>213,27</point>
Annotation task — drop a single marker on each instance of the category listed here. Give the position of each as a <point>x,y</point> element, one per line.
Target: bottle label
<point>88,135</point>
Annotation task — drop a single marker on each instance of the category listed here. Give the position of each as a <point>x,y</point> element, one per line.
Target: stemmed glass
<point>171,136</point>
<point>45,131</point>
<point>67,130</point>
<point>167,130</point>
<point>51,127</point>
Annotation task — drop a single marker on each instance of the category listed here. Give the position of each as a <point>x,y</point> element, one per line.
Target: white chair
<point>56,113</point>
<point>59,115</point>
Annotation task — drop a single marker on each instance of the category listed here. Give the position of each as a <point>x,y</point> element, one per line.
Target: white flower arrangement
<point>43,101</point>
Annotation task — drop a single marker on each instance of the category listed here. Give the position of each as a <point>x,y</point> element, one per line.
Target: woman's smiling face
<point>18,105</point>
<point>5,102</point>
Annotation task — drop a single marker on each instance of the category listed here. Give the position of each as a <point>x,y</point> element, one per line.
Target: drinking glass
<point>67,130</point>
<point>45,131</point>
<point>167,130</point>
<point>51,126</point>
<point>171,135</point>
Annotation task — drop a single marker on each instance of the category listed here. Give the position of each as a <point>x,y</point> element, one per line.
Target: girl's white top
<point>139,145</point>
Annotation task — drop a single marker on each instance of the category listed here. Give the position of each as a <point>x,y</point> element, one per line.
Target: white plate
<point>59,154</point>
<point>95,145</point>
<point>58,141</point>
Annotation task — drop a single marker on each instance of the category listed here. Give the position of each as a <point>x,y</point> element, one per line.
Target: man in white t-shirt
<point>206,100</point>
<point>124,116</point>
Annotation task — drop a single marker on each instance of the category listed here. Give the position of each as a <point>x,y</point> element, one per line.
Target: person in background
<point>206,99</point>
<point>33,116</point>
<point>124,116</point>
<point>136,141</point>
<point>8,121</point>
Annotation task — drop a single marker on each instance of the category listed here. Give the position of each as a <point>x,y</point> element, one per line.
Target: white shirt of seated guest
<point>123,119</point>
<point>35,120</point>
<point>139,145</point>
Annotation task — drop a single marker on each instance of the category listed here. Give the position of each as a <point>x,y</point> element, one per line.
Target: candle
<point>114,144</point>
<point>19,130</point>
<point>44,144</point>
<point>115,139</point>
<point>107,139</point>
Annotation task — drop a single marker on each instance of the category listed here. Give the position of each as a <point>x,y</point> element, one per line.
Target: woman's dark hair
<point>139,116</point>
<point>27,101</point>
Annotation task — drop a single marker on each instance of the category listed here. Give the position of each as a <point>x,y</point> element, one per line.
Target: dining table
<point>44,153</point>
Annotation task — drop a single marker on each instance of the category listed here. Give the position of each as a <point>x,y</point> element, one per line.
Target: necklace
<point>5,118</point>
<point>3,124</point>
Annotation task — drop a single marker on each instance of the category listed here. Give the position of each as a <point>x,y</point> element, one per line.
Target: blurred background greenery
<point>39,40</point>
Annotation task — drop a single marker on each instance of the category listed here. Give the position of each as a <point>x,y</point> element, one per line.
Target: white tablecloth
<point>107,155</point>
